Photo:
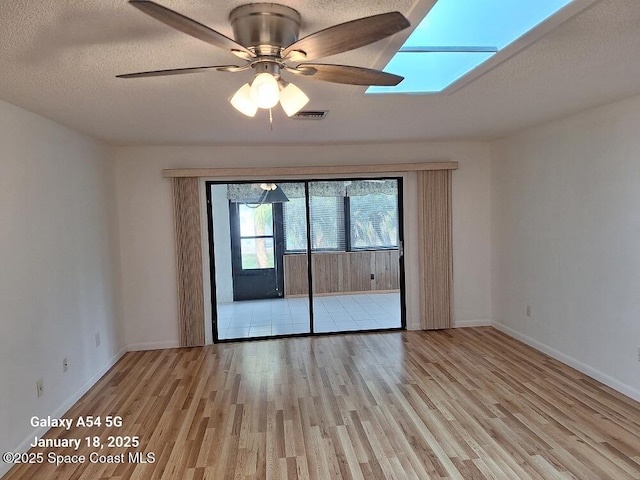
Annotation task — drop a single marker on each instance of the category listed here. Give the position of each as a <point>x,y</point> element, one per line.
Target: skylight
<point>480,28</point>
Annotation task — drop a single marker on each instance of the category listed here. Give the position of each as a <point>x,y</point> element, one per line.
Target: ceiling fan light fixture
<point>243,102</point>
<point>292,99</point>
<point>265,92</point>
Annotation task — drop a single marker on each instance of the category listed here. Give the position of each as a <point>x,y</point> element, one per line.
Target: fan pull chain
<point>270,120</point>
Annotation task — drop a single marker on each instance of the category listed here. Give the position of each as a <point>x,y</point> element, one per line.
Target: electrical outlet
<point>529,311</point>
<point>65,364</point>
<point>97,339</point>
<point>40,387</point>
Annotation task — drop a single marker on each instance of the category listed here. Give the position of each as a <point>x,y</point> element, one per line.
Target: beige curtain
<point>189,261</point>
<point>436,258</point>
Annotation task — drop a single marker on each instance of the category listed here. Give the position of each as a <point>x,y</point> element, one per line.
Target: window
<point>457,36</point>
<point>374,221</point>
<point>327,224</point>
<point>295,225</point>
<point>365,217</point>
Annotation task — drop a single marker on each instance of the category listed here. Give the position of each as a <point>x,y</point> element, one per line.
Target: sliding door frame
<point>306,182</point>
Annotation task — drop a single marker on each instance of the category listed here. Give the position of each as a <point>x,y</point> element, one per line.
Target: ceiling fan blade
<point>181,71</point>
<point>189,26</point>
<point>306,72</point>
<point>348,36</point>
<point>348,74</point>
<point>233,68</point>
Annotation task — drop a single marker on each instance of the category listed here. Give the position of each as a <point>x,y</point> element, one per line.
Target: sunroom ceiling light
<point>266,92</point>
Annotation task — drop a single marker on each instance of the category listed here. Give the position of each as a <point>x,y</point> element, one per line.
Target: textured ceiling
<point>59,59</point>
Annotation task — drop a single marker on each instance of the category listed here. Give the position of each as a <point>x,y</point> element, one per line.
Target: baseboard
<point>136,347</point>
<point>62,409</point>
<point>572,362</point>
<point>477,322</point>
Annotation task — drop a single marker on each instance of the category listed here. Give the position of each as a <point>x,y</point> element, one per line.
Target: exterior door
<point>256,249</point>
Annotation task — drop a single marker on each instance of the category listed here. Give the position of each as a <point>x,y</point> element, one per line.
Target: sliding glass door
<point>270,241</point>
<point>355,255</point>
<point>247,244</point>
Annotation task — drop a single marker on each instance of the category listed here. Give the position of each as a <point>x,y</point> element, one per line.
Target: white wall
<point>146,222</point>
<point>222,244</point>
<point>59,265</point>
<point>566,240</point>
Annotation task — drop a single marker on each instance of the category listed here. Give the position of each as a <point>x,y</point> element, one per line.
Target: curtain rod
<point>307,170</point>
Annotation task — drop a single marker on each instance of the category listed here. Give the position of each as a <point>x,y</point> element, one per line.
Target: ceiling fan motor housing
<point>265,28</point>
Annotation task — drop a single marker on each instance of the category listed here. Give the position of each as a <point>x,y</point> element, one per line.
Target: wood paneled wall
<point>435,249</point>
<point>342,272</point>
<point>189,261</point>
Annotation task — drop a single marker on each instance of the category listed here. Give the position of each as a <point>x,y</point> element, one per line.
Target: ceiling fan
<point>266,38</point>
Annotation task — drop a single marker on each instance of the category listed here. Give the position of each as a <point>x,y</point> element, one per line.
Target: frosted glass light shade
<point>264,91</point>
<point>243,102</point>
<point>292,99</point>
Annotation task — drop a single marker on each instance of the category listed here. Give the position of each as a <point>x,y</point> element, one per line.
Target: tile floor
<point>286,316</point>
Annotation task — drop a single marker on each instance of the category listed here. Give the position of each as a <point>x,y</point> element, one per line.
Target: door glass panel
<point>355,275</point>
<point>256,220</point>
<point>261,289</point>
<point>257,253</point>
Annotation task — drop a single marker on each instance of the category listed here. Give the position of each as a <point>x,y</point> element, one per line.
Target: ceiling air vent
<point>311,114</point>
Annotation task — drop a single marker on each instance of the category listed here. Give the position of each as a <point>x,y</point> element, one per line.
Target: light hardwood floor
<point>467,403</point>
